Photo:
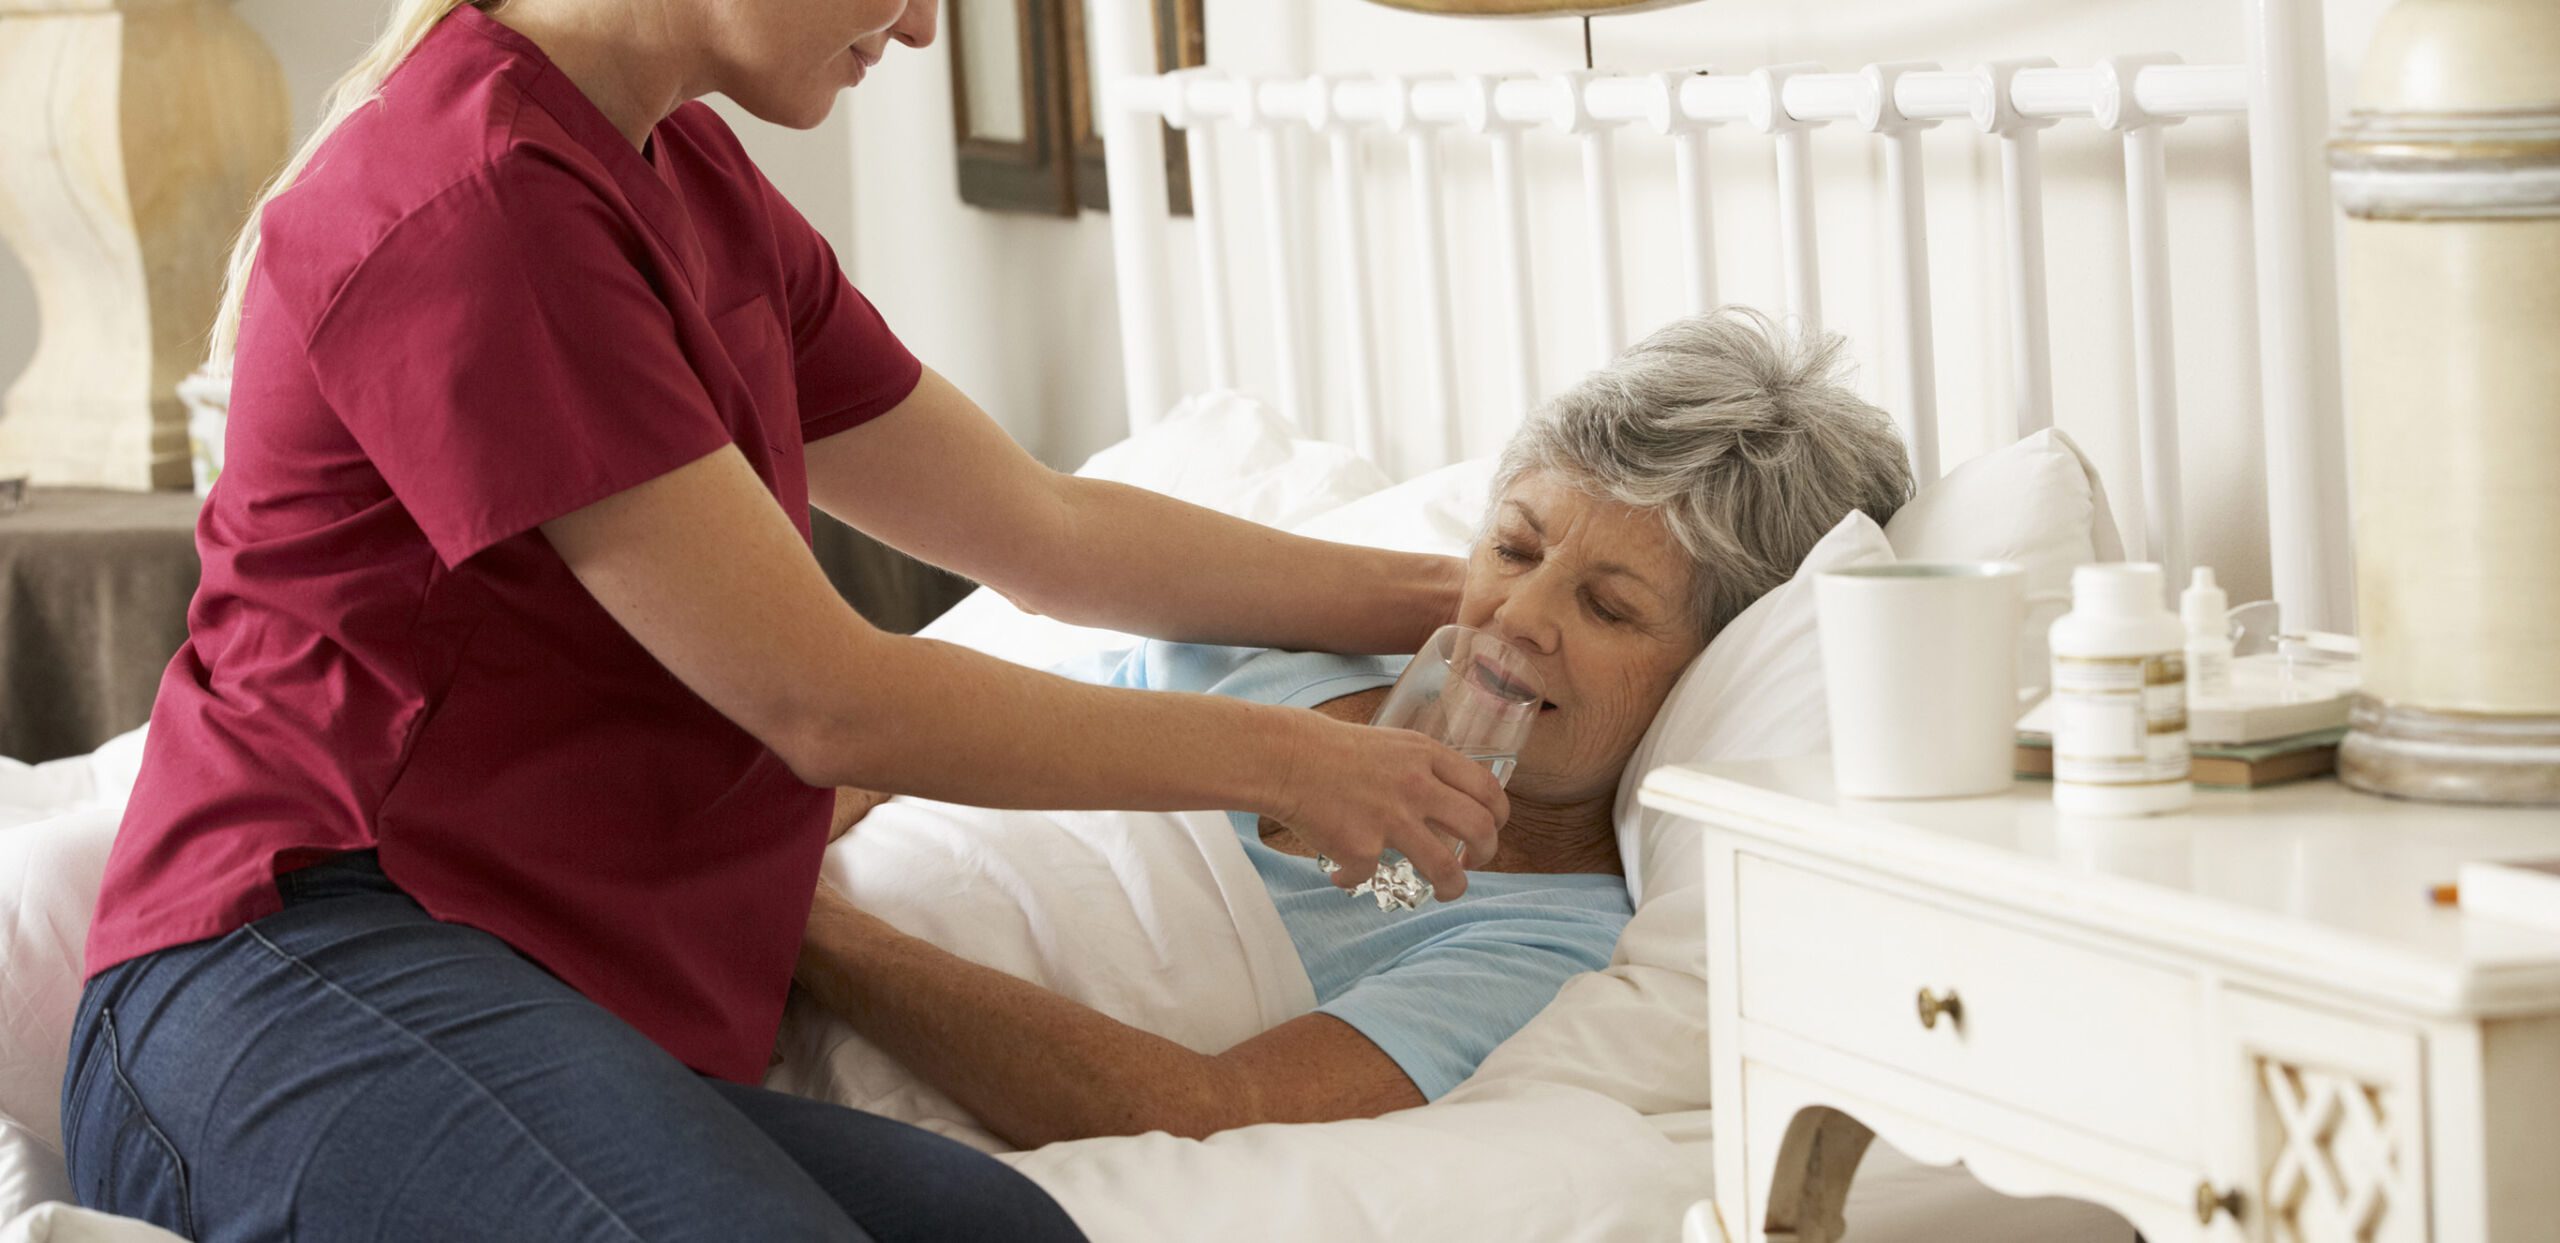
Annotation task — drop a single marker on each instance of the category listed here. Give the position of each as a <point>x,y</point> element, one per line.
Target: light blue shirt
<point>1435,988</point>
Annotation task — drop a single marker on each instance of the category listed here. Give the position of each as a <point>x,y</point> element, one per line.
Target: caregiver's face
<point>1597,595</point>
<point>784,61</point>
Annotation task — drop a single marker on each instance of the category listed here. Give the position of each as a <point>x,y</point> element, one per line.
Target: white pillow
<point>1434,513</point>
<point>44,920</point>
<point>30,1173</point>
<point>62,1223</point>
<point>31,792</point>
<point>1220,450</point>
<point>2038,502</point>
<point>1231,453</point>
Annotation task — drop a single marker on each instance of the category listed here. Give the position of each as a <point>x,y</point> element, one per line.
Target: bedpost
<point>1879,113</point>
<point>2300,388</point>
<point>1141,219</point>
<point>2155,366</point>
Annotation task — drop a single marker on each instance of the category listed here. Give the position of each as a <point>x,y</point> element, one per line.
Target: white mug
<point>1920,673</point>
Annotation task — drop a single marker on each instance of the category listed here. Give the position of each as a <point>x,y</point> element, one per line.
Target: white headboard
<point>2280,93</point>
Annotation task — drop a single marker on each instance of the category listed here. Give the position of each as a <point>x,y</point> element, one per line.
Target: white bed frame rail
<point>2281,91</point>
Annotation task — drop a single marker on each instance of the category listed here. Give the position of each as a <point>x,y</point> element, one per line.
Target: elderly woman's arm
<point>939,480</point>
<point>1037,1068</point>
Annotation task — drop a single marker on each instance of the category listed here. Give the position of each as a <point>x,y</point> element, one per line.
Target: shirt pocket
<point>758,346</point>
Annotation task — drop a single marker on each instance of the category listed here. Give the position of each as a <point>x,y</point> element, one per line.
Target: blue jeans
<point>351,1069</point>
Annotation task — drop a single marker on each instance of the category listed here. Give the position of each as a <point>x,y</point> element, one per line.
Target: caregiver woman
<point>460,893</point>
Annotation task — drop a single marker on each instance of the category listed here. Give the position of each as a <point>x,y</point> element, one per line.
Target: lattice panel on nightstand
<point>2336,1169</point>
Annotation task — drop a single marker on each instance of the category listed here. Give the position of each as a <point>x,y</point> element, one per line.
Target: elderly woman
<point>1632,519</point>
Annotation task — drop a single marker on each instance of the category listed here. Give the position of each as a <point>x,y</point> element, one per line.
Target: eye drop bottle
<point>2207,614</point>
<point>2119,696</point>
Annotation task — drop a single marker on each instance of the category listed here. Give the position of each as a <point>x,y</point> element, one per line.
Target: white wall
<point>1016,308</point>
<point>315,40</point>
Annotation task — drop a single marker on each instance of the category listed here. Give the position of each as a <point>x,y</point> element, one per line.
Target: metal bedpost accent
<point>1431,253</point>
<point>1878,114</point>
<point>2022,195</point>
<point>2155,366</point>
<point>2300,386</point>
<point>1294,375</point>
<point>1351,267</point>
<point>1511,212</point>
<point>1799,253</point>
<point>1689,164</point>
<point>1208,220</point>
<point>1600,210</point>
<point>1141,218</point>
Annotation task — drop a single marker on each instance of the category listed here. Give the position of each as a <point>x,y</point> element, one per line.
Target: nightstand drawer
<point>2099,1042</point>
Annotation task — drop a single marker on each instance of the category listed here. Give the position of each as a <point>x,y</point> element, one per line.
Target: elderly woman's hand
<point>852,804</point>
<point>1353,791</point>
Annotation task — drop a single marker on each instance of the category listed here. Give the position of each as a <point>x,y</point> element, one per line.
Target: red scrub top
<point>479,309</point>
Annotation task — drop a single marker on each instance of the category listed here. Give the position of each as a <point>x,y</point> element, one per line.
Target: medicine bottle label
<point>2120,720</point>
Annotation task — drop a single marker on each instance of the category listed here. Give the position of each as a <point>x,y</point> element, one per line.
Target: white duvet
<point>1159,920</point>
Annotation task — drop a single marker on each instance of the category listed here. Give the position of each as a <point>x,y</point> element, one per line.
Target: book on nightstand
<point>2518,891</point>
<point>2245,766</point>
<point>2272,726</point>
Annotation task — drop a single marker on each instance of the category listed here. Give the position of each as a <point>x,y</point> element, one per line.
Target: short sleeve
<point>503,356</point>
<point>1441,1009</point>
<point>849,366</point>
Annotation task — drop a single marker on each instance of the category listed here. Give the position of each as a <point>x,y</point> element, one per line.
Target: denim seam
<point>466,1076</point>
<point>133,1097</point>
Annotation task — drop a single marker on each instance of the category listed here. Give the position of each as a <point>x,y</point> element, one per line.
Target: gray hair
<point>1738,433</point>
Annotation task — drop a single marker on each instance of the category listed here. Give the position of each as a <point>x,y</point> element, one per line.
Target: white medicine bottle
<point>2206,613</point>
<point>2119,696</point>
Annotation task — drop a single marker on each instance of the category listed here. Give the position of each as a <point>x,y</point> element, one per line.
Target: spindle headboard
<point>2279,94</point>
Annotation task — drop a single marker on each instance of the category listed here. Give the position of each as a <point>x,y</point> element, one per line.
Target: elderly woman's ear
<point>852,804</point>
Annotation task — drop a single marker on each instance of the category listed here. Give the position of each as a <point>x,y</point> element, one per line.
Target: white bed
<point>1591,1123</point>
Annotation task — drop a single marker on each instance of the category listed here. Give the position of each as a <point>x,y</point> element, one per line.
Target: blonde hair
<point>409,25</point>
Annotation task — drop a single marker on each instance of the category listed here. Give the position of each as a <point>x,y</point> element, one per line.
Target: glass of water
<point>1474,693</point>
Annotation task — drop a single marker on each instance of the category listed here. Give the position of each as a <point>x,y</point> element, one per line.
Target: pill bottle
<point>2119,696</point>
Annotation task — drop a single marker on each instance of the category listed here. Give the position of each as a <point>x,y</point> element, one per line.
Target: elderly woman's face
<point>1596,593</point>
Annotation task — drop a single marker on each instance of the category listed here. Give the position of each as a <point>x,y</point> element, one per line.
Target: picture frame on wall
<point>1024,99</point>
<point>1004,56</point>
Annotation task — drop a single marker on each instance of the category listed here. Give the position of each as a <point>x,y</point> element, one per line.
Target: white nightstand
<point>2242,1022</point>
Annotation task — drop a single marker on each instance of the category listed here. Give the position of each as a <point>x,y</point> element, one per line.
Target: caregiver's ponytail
<point>409,26</point>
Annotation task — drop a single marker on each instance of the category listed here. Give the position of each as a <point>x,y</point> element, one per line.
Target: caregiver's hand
<point>1352,791</point>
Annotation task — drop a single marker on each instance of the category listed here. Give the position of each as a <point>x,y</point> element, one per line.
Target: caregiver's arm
<point>1037,1068</point>
<point>937,479</point>
<point>703,570</point>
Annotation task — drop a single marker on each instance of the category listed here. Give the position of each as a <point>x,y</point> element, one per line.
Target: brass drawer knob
<point>1933,1005</point>
<point>2210,1202</point>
